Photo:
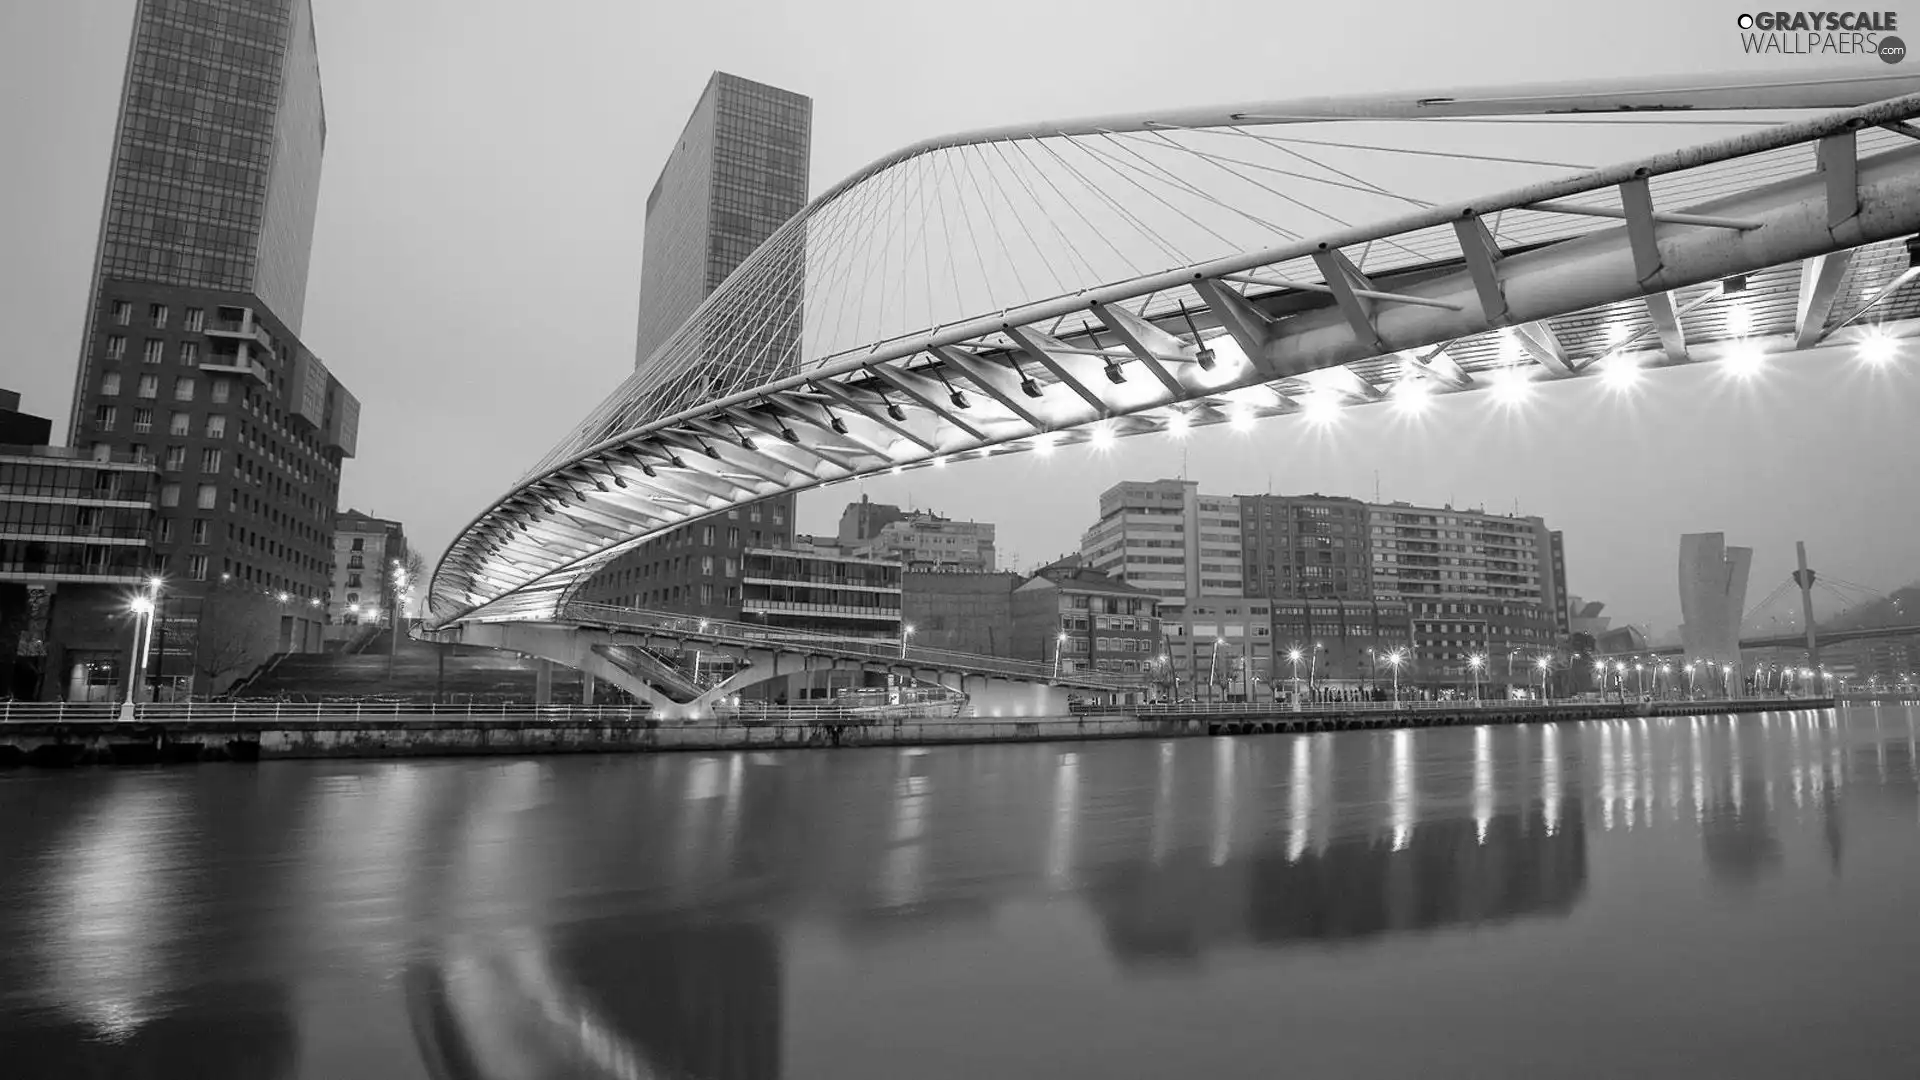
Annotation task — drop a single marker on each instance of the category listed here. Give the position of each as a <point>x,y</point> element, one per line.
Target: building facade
<point>1475,584</point>
<point>1165,538</point>
<point>192,358</point>
<point>737,173</point>
<point>366,553</point>
<point>1220,648</point>
<point>926,542</point>
<point>821,590</point>
<point>75,536</point>
<point>960,612</point>
<point>1299,546</point>
<point>1085,620</point>
<point>1713,597</point>
<point>1342,643</point>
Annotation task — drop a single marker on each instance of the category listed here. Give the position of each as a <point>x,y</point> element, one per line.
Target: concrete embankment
<point>105,742</point>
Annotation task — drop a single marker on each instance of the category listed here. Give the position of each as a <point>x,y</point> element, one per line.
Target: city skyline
<point>1617,477</point>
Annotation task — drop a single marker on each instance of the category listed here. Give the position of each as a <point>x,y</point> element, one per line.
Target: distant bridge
<point>1791,641</point>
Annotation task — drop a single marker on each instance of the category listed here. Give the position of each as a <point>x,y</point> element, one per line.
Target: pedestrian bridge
<point>1028,288</point>
<point>639,651</point>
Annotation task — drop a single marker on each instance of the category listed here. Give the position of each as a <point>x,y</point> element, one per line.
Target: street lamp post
<point>1476,662</point>
<point>1313,663</point>
<point>1545,665</point>
<point>1294,656</point>
<point>906,631</point>
<point>1059,646</point>
<point>1394,659</point>
<point>142,621</point>
<point>160,654</point>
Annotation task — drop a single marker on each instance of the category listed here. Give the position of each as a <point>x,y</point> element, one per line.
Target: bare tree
<point>236,631</point>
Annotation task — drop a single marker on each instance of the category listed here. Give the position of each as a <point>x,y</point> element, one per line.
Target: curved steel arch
<point>1225,338</point>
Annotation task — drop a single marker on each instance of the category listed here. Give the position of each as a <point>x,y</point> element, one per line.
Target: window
<point>197,567</point>
<point>733,536</point>
<point>706,594</point>
<point>142,421</point>
<point>221,387</point>
<point>200,531</point>
<point>753,512</point>
<point>209,497</point>
<point>196,320</point>
<point>169,494</point>
<point>216,427</point>
<point>122,312</point>
<point>356,562</point>
<point>104,417</point>
<point>164,534</point>
<point>189,354</point>
<point>359,544</point>
<point>353,581</point>
<point>353,598</point>
<point>176,458</point>
<point>153,351</point>
<point>157,313</point>
<point>149,386</point>
<point>140,453</point>
<point>210,461</point>
<point>110,384</point>
<point>183,388</point>
<point>706,565</point>
<point>180,424</point>
<point>706,535</point>
<point>116,347</point>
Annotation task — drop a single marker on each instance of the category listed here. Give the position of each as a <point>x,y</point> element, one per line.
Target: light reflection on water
<point>1450,902</point>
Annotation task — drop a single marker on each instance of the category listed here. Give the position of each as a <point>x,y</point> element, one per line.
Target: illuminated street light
<point>906,631</point>
<point>1476,662</point>
<point>1545,665</point>
<point>142,608</point>
<point>1394,660</point>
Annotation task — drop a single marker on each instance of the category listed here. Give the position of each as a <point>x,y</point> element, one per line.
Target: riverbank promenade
<point>70,735</point>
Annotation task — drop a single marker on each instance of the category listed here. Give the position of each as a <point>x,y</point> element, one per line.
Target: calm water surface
<point>1714,896</point>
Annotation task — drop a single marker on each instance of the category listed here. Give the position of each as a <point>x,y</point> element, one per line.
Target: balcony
<point>753,605</point>
<point>242,365</point>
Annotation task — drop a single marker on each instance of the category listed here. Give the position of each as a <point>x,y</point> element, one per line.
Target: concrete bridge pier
<point>543,682</point>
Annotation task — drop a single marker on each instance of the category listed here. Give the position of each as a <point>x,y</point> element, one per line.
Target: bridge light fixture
<point>1102,436</point>
<point>707,448</point>
<point>1877,348</point>
<point>648,469</point>
<point>1616,334</point>
<point>838,425</point>
<point>1321,408</point>
<point>1620,374</point>
<point>746,441</point>
<point>959,398</point>
<point>1204,357</point>
<point>1745,361</point>
<point>1242,418</point>
<point>1411,396</point>
<point>1114,374</point>
<point>1512,388</point>
<point>788,433</point>
<point>1739,320</point>
<point>1043,443</point>
<point>940,462</point>
<point>1178,424</point>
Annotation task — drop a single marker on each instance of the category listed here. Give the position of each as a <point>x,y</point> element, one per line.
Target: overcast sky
<point>477,257</point>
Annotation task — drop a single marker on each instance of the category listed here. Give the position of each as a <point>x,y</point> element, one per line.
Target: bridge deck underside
<point>1777,240</point>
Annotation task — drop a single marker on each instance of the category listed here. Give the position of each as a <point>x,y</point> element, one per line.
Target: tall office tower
<point>1165,537</point>
<point>738,172</point>
<point>191,355</point>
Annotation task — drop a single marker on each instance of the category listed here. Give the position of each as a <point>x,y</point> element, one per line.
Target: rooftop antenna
<point>1376,485</point>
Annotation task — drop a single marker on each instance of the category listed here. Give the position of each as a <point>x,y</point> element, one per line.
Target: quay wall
<point>53,743</point>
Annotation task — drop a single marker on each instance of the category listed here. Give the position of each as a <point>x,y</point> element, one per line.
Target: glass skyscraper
<point>191,355</point>
<point>737,173</point>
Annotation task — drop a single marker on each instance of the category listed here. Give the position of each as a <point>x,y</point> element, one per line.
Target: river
<point>1709,896</point>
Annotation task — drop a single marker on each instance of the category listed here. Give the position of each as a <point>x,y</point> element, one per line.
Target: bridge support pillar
<point>586,688</point>
<point>543,682</point>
